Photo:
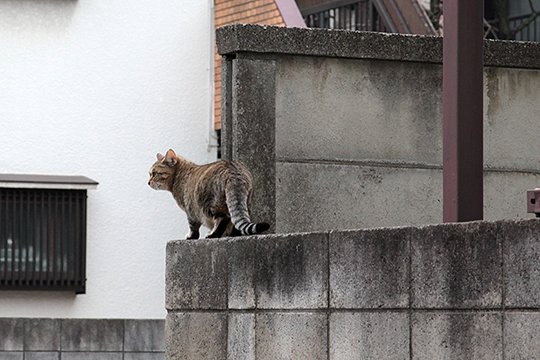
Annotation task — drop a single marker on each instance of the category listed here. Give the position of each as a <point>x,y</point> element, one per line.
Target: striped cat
<point>215,195</point>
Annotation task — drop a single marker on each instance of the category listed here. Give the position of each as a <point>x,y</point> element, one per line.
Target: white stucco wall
<point>96,88</point>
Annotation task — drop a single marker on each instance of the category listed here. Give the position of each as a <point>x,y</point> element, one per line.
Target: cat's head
<point>163,170</point>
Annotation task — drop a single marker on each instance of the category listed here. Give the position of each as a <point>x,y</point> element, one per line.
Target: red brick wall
<point>263,12</point>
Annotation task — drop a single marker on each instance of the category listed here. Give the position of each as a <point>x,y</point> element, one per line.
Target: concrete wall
<point>77,339</point>
<point>97,88</point>
<point>358,127</point>
<point>460,291</point>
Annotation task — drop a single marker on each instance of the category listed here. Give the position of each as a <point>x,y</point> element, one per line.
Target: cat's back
<point>224,170</point>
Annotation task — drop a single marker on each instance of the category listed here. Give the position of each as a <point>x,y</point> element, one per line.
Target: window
<point>43,232</point>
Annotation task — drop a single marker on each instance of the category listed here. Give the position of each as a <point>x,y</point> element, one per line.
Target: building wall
<point>263,12</point>
<point>97,88</point>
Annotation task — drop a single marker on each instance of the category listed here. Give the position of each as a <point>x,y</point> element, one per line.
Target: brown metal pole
<point>463,110</point>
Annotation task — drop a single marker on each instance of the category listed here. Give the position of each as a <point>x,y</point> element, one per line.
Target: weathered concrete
<point>241,337</point>
<point>292,272</point>
<point>447,291</point>
<point>291,336</point>
<point>369,269</point>
<point>252,130</point>
<point>521,334</point>
<point>82,339</point>
<point>206,265</point>
<point>521,266</point>
<point>363,45</point>
<point>196,335</point>
<point>369,335</point>
<point>456,267</point>
<point>474,335</point>
<point>344,106</point>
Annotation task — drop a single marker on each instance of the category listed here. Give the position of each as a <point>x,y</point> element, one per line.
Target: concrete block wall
<point>81,339</point>
<point>452,291</point>
<point>343,129</point>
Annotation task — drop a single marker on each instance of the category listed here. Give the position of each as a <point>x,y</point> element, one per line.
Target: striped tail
<point>237,197</point>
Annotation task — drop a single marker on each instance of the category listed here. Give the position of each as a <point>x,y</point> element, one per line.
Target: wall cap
<point>240,38</point>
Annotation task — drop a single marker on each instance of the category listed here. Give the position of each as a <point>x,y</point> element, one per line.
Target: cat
<point>215,195</point>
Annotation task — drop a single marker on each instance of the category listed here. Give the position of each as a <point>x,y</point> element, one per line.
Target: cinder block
<point>196,274</point>
<point>521,263</point>
<point>42,334</point>
<point>11,334</point>
<point>144,335</point>
<point>11,355</point>
<point>241,337</point>
<point>196,335</point>
<point>292,271</point>
<point>92,335</point>
<point>285,336</point>
<point>91,356</point>
<point>369,335</point>
<point>369,268</point>
<point>42,355</point>
<point>241,272</point>
<point>456,266</point>
<point>521,335</point>
<point>144,356</point>
<point>472,335</point>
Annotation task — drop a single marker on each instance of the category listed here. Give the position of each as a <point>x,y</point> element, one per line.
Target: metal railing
<point>42,239</point>
<point>529,33</point>
<point>364,15</point>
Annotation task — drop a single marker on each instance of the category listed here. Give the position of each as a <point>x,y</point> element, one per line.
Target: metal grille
<point>352,15</point>
<point>42,239</point>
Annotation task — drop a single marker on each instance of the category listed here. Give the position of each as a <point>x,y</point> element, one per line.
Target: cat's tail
<point>237,198</point>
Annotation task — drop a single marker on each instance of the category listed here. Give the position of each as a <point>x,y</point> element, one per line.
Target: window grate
<point>42,239</point>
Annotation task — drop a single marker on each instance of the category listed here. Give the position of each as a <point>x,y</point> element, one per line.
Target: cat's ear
<point>159,156</point>
<point>170,158</point>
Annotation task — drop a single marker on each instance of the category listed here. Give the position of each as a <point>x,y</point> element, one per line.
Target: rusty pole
<point>463,110</point>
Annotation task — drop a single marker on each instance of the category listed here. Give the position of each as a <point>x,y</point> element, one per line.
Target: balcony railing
<point>530,32</point>
<point>366,15</point>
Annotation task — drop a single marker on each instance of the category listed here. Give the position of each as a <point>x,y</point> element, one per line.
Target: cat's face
<point>162,172</point>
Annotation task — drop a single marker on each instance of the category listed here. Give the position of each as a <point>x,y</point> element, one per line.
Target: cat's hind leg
<point>220,225</point>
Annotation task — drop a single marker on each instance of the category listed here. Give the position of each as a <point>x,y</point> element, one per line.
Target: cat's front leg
<point>194,227</point>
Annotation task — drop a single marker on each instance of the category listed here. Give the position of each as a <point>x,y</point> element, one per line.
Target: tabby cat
<point>215,195</point>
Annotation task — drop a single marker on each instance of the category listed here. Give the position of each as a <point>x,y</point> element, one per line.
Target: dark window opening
<point>42,239</point>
